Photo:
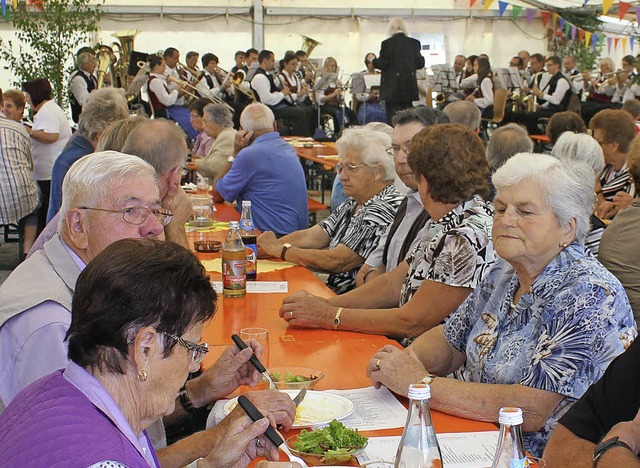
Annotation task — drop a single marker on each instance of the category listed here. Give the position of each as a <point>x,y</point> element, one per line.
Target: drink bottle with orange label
<point>248,234</point>
<point>234,264</point>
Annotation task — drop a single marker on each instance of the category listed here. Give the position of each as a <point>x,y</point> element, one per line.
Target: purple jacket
<point>53,424</point>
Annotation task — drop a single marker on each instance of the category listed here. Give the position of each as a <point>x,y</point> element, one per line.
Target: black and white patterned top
<point>360,232</point>
<point>613,182</point>
<point>455,250</point>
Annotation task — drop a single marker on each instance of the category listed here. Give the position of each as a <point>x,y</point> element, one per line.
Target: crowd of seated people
<point>507,277</point>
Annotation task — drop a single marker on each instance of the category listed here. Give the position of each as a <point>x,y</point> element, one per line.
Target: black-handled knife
<point>254,360</point>
<point>256,415</point>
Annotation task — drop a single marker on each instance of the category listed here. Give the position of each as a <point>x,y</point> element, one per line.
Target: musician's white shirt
<point>216,90</point>
<point>486,86</point>
<point>79,87</point>
<point>562,86</point>
<point>295,83</point>
<point>172,85</point>
<point>159,87</point>
<point>260,83</point>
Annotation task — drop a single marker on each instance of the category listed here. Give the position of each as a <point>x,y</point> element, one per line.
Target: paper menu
<point>375,409</point>
<point>459,450</point>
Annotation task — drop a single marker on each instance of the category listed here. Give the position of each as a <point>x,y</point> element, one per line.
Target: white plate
<point>316,409</point>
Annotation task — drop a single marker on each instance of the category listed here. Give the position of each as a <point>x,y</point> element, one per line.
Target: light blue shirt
<point>560,337</point>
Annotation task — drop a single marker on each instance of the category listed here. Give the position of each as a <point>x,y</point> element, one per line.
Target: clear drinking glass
<point>261,335</point>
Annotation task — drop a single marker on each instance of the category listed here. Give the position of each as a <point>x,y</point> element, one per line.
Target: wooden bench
<point>314,207</point>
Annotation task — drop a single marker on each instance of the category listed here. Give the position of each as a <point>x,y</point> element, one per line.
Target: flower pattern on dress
<point>560,336</point>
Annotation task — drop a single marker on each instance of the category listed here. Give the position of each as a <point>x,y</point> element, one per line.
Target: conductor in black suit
<point>398,61</point>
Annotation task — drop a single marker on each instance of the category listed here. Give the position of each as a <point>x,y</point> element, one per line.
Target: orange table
<point>342,355</point>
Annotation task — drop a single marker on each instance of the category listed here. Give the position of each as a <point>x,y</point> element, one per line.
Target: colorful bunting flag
<point>594,41</point>
<point>471,3</point>
<point>587,38</point>
<point>502,6</point>
<point>631,40</point>
<point>623,8</point>
<point>624,44</point>
<point>515,11</point>
<point>561,23</point>
<point>487,4</point>
<point>638,14</point>
<point>555,19</point>
<point>585,2</point>
<point>609,42</point>
<point>567,29</point>
<point>606,4</point>
<point>581,34</point>
<point>573,32</point>
<point>616,41</point>
<point>545,15</point>
<point>531,13</point>
<point>4,7</point>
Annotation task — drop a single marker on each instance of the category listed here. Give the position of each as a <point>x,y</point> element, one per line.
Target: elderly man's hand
<point>629,433</point>
<point>278,406</point>
<point>270,244</point>
<point>241,442</point>
<point>231,370</point>
<point>242,140</point>
<point>396,369</point>
<point>180,205</point>
<point>622,200</point>
<point>606,210</point>
<point>306,310</point>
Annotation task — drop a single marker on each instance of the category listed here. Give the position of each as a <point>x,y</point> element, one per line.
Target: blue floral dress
<point>560,336</point>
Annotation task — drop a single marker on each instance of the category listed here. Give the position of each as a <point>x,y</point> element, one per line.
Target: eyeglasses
<point>393,150</point>
<point>348,167</point>
<point>198,351</point>
<point>138,214</point>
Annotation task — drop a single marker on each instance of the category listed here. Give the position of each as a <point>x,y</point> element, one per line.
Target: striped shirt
<point>19,194</point>
<point>360,232</point>
<point>613,182</point>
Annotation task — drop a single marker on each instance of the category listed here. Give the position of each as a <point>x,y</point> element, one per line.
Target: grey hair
<point>219,114</point>
<point>371,145</point>
<point>567,189</point>
<point>103,107</point>
<point>90,180</point>
<point>83,58</point>
<point>380,127</point>
<point>397,25</point>
<point>256,117</point>
<point>465,113</point>
<point>607,61</point>
<point>505,142</point>
<point>159,142</point>
<point>580,147</point>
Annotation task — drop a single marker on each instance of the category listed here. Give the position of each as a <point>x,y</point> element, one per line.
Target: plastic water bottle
<point>510,451</point>
<point>234,264</point>
<point>419,446</point>
<point>248,234</point>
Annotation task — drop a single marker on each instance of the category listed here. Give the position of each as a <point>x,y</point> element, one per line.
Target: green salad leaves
<point>290,377</point>
<point>332,441</point>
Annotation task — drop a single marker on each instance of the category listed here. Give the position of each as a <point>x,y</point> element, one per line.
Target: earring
<point>563,245</point>
<point>142,375</point>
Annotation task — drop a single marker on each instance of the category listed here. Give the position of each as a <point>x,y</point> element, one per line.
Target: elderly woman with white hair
<point>541,327</point>
<point>218,124</point>
<point>339,244</point>
<point>579,147</point>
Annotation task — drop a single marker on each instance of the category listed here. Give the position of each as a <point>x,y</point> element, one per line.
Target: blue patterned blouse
<point>560,337</point>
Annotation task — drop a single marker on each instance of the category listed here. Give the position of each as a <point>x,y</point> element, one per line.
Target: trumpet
<point>593,76</point>
<point>204,93</point>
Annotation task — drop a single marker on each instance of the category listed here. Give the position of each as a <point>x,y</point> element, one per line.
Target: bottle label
<point>519,463</point>
<point>252,258</point>
<point>246,224</point>
<point>234,274</point>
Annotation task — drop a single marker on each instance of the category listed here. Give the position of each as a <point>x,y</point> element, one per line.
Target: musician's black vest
<point>272,84</point>
<point>418,224</point>
<point>76,108</point>
<point>553,83</point>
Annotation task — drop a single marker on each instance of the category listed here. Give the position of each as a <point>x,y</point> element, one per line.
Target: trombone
<point>236,80</point>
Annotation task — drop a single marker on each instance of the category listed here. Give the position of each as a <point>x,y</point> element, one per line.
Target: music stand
<point>445,79</point>
<point>510,77</point>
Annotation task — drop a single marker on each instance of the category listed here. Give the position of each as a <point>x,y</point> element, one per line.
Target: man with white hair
<point>82,83</point>
<point>465,113</point>
<point>398,61</point>
<point>267,172</point>
<point>107,196</point>
<point>101,108</point>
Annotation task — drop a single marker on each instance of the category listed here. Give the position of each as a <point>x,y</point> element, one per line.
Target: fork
<point>272,434</point>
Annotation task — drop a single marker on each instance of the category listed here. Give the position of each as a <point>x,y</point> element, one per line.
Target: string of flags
<point>589,38</point>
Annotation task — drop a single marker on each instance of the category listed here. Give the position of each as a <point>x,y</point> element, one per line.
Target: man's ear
<point>77,228</point>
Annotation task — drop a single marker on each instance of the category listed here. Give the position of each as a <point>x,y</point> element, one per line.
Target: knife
<point>300,396</point>
<point>254,361</point>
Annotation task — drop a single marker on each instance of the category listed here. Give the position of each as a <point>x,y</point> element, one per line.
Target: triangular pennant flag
<point>561,23</point>
<point>567,29</point>
<point>487,4</point>
<point>531,13</point>
<point>471,3</point>
<point>545,15</point>
<point>609,42</point>
<point>587,38</point>
<point>631,41</point>
<point>502,6</point>
<point>515,11</point>
<point>581,34</point>
<point>555,19</point>
<point>616,41</point>
<point>573,32</point>
<point>594,41</point>
<point>624,44</point>
<point>638,14</point>
<point>4,7</point>
<point>585,2</point>
<point>623,8</point>
<point>606,4</point>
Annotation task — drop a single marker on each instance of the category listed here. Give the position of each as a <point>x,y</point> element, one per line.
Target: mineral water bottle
<point>234,264</point>
<point>419,445</point>
<point>510,451</point>
<point>248,234</point>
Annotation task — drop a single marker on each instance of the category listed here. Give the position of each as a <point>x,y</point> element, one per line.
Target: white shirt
<point>295,83</point>
<point>79,87</point>
<point>159,87</point>
<point>486,86</point>
<point>173,86</point>
<point>204,89</point>
<point>260,83</point>
<point>562,86</point>
<point>51,119</point>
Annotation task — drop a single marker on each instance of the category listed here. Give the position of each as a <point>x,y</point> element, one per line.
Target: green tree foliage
<point>48,39</point>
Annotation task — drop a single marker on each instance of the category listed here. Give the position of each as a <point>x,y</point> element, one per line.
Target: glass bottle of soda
<point>248,234</point>
<point>419,446</point>
<point>510,451</point>
<point>234,264</point>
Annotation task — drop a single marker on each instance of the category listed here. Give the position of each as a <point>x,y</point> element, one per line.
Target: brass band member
<point>171,58</point>
<point>367,99</point>
<point>191,72</point>
<point>482,95</point>
<point>330,95</point>
<point>287,77</point>
<point>82,83</point>
<point>599,91</point>
<point>306,69</point>
<point>239,60</point>
<point>211,81</point>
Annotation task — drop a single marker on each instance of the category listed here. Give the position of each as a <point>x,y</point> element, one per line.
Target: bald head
<point>465,113</point>
<point>160,142</point>
<point>257,118</point>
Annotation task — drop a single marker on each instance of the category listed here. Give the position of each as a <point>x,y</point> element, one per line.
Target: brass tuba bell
<point>106,58</point>
<point>124,48</point>
<point>308,44</point>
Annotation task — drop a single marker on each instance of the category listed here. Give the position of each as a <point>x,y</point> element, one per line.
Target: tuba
<point>308,44</point>
<point>124,48</point>
<point>106,58</point>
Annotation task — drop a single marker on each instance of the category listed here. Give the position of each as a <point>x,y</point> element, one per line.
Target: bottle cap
<point>510,416</point>
<point>419,391</point>
<point>233,224</point>
<point>246,202</point>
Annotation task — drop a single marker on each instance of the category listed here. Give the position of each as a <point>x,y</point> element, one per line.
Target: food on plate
<point>332,441</point>
<point>290,377</point>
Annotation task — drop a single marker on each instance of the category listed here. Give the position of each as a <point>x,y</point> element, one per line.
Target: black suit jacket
<point>399,59</point>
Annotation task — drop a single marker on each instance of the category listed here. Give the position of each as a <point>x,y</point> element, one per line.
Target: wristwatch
<point>336,320</point>
<point>285,247</point>
<point>428,379</point>
<point>605,445</point>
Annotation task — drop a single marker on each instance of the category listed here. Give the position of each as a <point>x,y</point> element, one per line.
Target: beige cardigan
<point>217,159</point>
